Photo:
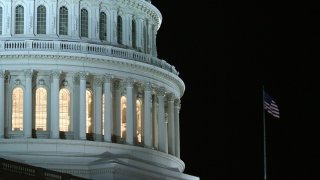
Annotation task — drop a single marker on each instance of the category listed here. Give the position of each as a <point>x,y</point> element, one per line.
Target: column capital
<point>2,73</point>
<point>171,97</point>
<point>28,73</point>
<point>129,82</point>
<point>177,103</point>
<point>83,75</point>
<point>107,78</point>
<point>97,81</point>
<point>147,86</point>
<point>161,91</point>
<point>55,74</point>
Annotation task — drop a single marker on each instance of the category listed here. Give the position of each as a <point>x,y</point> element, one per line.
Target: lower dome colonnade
<point>84,106</point>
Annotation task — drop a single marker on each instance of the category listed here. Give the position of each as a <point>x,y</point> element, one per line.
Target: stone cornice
<point>63,58</point>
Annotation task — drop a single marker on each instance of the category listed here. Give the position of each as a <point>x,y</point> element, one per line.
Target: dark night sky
<point>224,65</point>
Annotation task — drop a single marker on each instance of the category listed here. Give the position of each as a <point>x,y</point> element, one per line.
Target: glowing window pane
<point>89,111</point>
<point>123,116</point>
<point>63,21</point>
<point>17,109</point>
<point>84,23</point>
<point>139,120</point>
<point>41,109</point>
<point>19,24</point>
<point>41,20</point>
<point>64,110</point>
<point>119,30</point>
<point>103,28</point>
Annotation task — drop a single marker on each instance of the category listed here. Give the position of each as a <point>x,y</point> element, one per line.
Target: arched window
<point>134,34</point>
<point>139,121</point>
<point>123,116</point>
<point>17,109</point>
<point>41,19</point>
<point>119,30</point>
<point>89,112</point>
<point>84,23</point>
<point>103,26</point>
<point>145,38</point>
<point>64,110</point>
<point>0,20</point>
<point>19,24</point>
<point>41,109</point>
<point>63,21</point>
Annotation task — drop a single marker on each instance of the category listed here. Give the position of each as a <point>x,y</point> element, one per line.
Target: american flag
<point>270,105</point>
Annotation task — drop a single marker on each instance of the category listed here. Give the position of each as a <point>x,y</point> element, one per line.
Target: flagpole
<point>264,138</point>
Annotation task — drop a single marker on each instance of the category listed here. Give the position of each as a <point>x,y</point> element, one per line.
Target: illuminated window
<point>84,23</point>
<point>63,21</point>
<point>103,28</point>
<point>41,109</point>
<point>89,111</point>
<point>119,30</point>
<point>139,120</point>
<point>19,24</point>
<point>134,35</point>
<point>41,20</point>
<point>145,38</point>
<point>64,110</point>
<point>123,116</point>
<point>17,109</point>
<point>0,20</point>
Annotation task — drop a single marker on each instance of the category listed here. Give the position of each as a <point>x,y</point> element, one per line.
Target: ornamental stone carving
<point>161,91</point>
<point>28,73</point>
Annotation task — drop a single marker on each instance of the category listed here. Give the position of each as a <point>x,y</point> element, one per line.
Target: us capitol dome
<point>83,92</point>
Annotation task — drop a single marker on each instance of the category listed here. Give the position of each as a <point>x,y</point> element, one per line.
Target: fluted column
<point>171,130</point>
<point>117,111</point>
<point>82,105</point>
<point>54,131</point>
<point>107,109</point>
<point>177,127</point>
<point>98,108</point>
<point>2,96</point>
<point>163,131</point>
<point>27,113</point>
<point>147,126</point>
<point>129,113</point>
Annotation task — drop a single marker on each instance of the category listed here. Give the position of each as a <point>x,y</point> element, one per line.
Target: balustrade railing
<point>80,47</point>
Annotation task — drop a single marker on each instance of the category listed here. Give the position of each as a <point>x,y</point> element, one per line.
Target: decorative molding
<point>83,75</point>
<point>130,82</point>
<point>2,73</point>
<point>55,74</point>
<point>107,78</point>
<point>97,81</point>
<point>177,103</point>
<point>28,73</point>
<point>161,91</point>
<point>171,97</point>
<point>147,86</point>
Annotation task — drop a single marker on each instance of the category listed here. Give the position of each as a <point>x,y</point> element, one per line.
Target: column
<point>147,124</point>
<point>112,23</point>
<point>27,115</point>
<point>149,38</point>
<point>177,126</point>
<point>74,19</point>
<point>107,109</point>
<point>97,108</point>
<point>163,137</point>
<point>2,96</point>
<point>139,36</point>
<point>117,111</point>
<point>54,131</point>
<point>171,134</point>
<point>82,105</point>
<point>129,113</point>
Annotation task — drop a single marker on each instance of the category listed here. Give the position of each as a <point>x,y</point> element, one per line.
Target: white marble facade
<point>72,74</point>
